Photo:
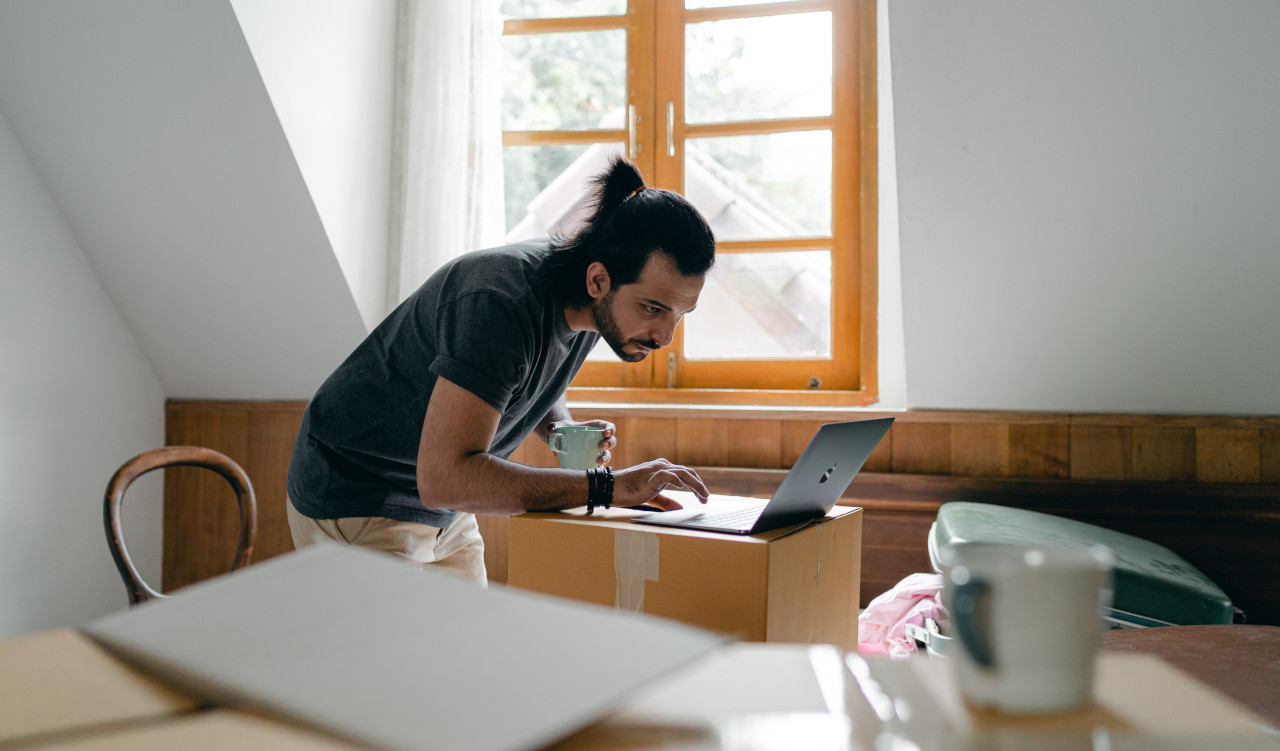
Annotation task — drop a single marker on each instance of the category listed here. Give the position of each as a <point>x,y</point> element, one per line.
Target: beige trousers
<point>457,549</point>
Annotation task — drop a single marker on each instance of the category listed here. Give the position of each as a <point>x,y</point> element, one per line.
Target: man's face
<point>635,319</point>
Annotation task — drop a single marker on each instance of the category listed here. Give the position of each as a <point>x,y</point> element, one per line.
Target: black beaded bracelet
<point>599,488</point>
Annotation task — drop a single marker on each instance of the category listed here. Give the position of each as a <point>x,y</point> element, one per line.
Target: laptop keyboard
<point>736,519</point>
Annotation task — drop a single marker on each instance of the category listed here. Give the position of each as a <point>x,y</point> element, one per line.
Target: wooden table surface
<point>1241,661</point>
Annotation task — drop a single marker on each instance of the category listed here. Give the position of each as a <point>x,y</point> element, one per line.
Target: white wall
<point>77,399</point>
<point>157,240</point>
<point>329,66</point>
<point>891,365</point>
<point>1089,198</point>
<point>152,128</point>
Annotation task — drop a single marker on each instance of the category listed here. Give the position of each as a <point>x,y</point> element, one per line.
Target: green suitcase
<point>1153,585</point>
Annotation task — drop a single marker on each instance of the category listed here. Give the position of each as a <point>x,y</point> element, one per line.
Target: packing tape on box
<point>635,561</point>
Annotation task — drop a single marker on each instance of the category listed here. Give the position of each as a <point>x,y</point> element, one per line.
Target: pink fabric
<point>882,625</point>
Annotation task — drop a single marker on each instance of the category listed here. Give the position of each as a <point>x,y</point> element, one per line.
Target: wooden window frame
<point>655,74</point>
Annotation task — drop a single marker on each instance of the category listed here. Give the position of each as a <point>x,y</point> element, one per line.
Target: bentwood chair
<point>174,456</point>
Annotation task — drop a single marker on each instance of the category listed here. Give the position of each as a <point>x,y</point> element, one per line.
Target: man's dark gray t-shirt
<point>483,322</point>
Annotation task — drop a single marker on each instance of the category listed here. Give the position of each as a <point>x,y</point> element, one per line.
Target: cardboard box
<point>795,584</point>
<point>60,681</point>
<point>213,730</point>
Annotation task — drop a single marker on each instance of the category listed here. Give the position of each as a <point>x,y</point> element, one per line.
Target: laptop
<point>814,484</point>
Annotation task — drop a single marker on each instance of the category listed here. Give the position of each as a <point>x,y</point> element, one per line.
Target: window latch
<point>632,119</point>
<point>671,128</point>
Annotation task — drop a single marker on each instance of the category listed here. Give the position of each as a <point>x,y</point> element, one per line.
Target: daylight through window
<point>760,114</point>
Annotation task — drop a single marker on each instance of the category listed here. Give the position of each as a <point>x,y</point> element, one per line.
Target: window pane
<point>545,186</point>
<point>561,8</point>
<point>758,68</point>
<point>761,306</point>
<point>566,81</point>
<point>759,187</point>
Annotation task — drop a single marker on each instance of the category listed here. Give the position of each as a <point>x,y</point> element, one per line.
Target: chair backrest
<point>173,456</point>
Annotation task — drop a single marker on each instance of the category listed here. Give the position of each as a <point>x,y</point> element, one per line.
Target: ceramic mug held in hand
<point>1027,622</point>
<point>577,446</point>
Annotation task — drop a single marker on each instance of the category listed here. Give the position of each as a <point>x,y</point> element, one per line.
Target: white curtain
<point>447,169</point>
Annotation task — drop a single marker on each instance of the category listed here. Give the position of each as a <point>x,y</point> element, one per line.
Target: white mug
<point>1027,622</point>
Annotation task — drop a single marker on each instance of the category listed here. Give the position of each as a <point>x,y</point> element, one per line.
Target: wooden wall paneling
<point>180,521</point>
<point>980,449</point>
<point>893,547</point>
<point>922,447</point>
<point>1269,456</point>
<point>701,442</point>
<point>757,483</point>
<point>755,443</point>
<point>583,415</point>
<point>1205,487</point>
<point>1228,455</point>
<point>903,527</point>
<point>1040,450</point>
<point>1164,454</point>
<point>201,519</point>
<point>520,455</point>
<point>881,460</point>
<point>271,436</point>
<point>1101,452</point>
<point>647,438</point>
<point>795,435</point>
<point>894,534</point>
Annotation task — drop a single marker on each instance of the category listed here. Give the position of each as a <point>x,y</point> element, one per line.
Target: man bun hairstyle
<point>628,222</point>
<point>617,184</point>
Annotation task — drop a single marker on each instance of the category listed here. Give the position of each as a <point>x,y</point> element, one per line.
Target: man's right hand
<point>643,484</point>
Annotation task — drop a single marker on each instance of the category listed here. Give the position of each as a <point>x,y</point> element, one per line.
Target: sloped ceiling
<point>152,129</point>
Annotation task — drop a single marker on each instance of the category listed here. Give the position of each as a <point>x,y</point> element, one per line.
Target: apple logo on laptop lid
<point>827,475</point>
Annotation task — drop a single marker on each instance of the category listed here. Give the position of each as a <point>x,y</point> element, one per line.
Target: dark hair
<point>627,224</point>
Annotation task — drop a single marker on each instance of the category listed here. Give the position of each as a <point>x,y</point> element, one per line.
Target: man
<point>407,440</point>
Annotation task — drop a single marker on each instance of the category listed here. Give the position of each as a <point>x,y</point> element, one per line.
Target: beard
<point>607,325</point>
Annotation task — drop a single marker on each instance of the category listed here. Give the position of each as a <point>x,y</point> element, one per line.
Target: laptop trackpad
<point>679,515</point>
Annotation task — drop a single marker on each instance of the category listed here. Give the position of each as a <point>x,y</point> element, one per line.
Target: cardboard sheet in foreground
<point>56,680</point>
<point>383,653</point>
